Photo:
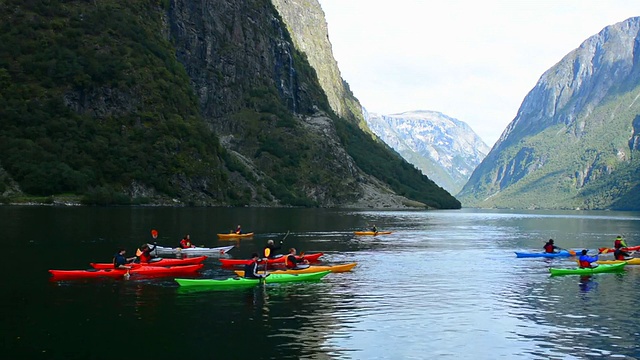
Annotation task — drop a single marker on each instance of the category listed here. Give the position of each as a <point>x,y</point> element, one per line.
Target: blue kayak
<point>561,253</point>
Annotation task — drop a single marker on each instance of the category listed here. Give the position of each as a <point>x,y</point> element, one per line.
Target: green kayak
<point>588,271</point>
<point>272,278</point>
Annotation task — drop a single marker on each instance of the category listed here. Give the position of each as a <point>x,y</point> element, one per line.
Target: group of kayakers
<point>292,261</point>
<point>143,255</point>
<point>587,261</point>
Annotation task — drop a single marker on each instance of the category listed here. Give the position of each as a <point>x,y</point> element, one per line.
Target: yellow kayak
<point>310,269</point>
<point>634,261</point>
<point>234,235</point>
<point>372,233</point>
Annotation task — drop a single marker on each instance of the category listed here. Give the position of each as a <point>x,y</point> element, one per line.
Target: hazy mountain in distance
<point>575,139</point>
<point>445,149</point>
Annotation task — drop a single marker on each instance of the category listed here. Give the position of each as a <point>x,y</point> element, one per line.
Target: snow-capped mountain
<point>445,149</point>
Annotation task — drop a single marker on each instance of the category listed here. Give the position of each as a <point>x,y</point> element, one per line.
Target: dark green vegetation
<point>142,124</point>
<point>95,101</point>
<point>588,165</point>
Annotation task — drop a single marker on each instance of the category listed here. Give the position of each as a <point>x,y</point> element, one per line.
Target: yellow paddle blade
<point>573,253</point>
<point>267,252</point>
<point>138,252</point>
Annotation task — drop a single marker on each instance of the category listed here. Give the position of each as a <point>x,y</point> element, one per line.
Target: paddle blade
<point>573,253</point>
<point>154,233</point>
<point>138,253</point>
<point>267,252</point>
<point>604,251</point>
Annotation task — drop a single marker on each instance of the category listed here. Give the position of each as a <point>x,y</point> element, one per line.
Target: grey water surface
<point>443,285</point>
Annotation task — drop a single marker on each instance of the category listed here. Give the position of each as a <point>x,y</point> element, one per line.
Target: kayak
<point>372,233</point>
<point>161,250</point>
<point>633,261</point>
<point>234,236</point>
<point>280,259</point>
<point>611,250</point>
<point>158,262</point>
<point>310,269</point>
<point>117,273</point>
<point>561,253</point>
<point>588,271</point>
<point>272,278</point>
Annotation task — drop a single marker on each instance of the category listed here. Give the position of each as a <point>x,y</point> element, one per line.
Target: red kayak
<point>159,262</point>
<point>231,262</point>
<point>611,250</point>
<point>118,273</point>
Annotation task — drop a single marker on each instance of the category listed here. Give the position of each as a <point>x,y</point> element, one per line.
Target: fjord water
<point>445,284</point>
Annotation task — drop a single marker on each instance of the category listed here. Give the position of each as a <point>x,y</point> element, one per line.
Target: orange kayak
<point>372,233</point>
<point>275,260</point>
<point>310,269</point>
<point>234,236</point>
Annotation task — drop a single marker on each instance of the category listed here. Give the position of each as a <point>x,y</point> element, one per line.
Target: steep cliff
<point>203,102</point>
<point>573,141</point>
<point>443,148</point>
<point>308,27</point>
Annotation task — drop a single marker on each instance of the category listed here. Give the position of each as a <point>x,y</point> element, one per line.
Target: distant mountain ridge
<point>574,141</point>
<point>445,149</point>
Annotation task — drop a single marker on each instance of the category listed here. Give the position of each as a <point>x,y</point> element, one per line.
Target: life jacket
<point>184,243</point>
<point>617,244</point>
<point>145,257</point>
<point>548,247</point>
<point>290,262</point>
<point>585,264</point>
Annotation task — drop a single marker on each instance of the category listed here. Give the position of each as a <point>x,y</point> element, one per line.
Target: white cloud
<point>472,60</point>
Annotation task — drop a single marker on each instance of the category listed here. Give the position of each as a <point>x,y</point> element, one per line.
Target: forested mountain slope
<point>574,142</point>
<point>203,102</point>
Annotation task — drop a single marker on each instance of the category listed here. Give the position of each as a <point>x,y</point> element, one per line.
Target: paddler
<point>238,230</point>
<point>272,247</point>
<point>251,270</point>
<point>292,262</point>
<point>143,253</point>
<point>585,261</point>
<point>619,242</point>
<point>549,247</point>
<point>120,261</point>
<point>185,243</point>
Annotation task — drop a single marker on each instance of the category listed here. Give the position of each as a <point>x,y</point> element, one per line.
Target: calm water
<point>444,285</point>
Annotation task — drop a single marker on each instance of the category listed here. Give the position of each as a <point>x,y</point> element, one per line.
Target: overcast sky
<point>471,60</point>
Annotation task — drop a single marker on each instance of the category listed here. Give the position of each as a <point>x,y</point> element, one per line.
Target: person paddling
<point>238,230</point>
<point>585,261</point>
<point>292,262</point>
<point>251,269</point>
<point>619,242</point>
<point>620,254</point>
<point>272,247</point>
<point>120,261</point>
<point>549,247</point>
<point>185,243</point>
<point>143,253</point>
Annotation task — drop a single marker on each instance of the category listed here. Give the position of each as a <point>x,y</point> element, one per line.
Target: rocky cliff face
<point>443,148</point>
<point>235,53</point>
<point>574,134</point>
<point>306,23</point>
<point>201,102</point>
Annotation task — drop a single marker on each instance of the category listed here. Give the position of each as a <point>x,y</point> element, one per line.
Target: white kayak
<point>161,250</point>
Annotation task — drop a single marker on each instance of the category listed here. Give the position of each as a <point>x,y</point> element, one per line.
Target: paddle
<point>267,252</point>
<point>281,241</point>
<point>154,235</point>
